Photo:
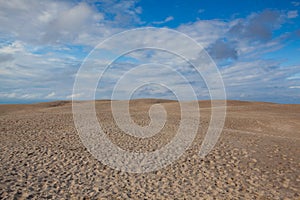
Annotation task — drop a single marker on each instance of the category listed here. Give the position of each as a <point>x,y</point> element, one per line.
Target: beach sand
<point>256,157</point>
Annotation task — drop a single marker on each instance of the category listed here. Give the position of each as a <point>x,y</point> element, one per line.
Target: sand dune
<point>257,156</point>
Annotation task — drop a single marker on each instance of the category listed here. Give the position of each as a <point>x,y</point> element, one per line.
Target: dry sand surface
<point>256,157</point>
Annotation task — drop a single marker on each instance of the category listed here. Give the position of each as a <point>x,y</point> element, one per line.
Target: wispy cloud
<point>292,14</point>
<point>295,3</point>
<point>50,95</point>
<point>295,87</point>
<point>168,19</point>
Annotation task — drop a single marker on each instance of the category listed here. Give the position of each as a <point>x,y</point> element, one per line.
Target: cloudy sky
<point>255,45</point>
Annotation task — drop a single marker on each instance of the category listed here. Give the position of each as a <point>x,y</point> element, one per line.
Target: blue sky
<point>255,44</point>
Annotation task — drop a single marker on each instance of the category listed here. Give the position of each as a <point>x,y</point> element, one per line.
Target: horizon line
<point>36,101</point>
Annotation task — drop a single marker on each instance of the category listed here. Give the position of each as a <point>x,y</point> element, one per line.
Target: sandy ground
<point>256,157</point>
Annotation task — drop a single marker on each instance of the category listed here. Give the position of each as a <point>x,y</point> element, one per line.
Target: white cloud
<point>68,24</point>
<point>295,3</point>
<point>34,76</point>
<point>72,96</point>
<point>8,95</point>
<point>168,19</point>
<point>139,10</point>
<point>201,11</point>
<point>205,31</point>
<point>56,22</point>
<point>37,62</point>
<point>50,95</point>
<point>16,46</point>
<point>292,14</point>
<point>29,96</point>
